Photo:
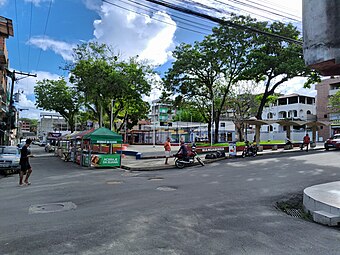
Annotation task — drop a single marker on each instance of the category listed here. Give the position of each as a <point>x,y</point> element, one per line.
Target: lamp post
<point>154,125</point>
<point>212,121</point>
<point>20,110</point>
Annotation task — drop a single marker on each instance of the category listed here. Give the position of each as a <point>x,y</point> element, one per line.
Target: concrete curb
<point>209,161</point>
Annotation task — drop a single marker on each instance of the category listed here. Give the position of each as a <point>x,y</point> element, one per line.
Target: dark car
<point>9,159</point>
<point>333,142</point>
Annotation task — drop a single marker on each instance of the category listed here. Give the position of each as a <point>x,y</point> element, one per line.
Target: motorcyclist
<point>183,150</point>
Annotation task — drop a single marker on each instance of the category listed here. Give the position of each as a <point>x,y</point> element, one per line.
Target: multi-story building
<point>6,30</point>
<point>161,113</point>
<point>25,126</point>
<point>325,90</point>
<point>293,106</point>
<point>51,123</point>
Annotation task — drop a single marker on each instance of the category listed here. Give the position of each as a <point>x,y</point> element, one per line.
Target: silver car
<point>9,159</point>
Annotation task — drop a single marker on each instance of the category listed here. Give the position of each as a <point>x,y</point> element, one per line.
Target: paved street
<point>226,207</point>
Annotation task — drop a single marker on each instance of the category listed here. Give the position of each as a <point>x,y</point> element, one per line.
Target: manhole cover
<point>53,207</point>
<point>166,188</point>
<point>156,179</point>
<point>114,182</point>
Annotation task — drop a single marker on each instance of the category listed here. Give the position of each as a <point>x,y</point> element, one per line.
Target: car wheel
<point>326,148</point>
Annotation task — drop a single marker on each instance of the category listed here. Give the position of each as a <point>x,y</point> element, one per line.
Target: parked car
<point>9,159</point>
<point>333,142</point>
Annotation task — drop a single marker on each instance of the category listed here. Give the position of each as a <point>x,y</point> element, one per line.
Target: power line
<point>224,22</point>
<point>143,14</point>
<point>29,37</point>
<point>252,6</point>
<point>46,23</point>
<point>17,23</point>
<point>199,25</point>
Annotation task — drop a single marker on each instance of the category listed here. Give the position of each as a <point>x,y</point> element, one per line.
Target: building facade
<point>51,123</point>
<point>325,90</point>
<point>161,113</point>
<point>293,107</point>
<point>6,30</point>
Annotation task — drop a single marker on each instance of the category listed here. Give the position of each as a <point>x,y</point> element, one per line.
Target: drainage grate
<point>293,206</point>
<point>297,213</point>
<point>167,188</point>
<point>112,182</point>
<point>53,207</point>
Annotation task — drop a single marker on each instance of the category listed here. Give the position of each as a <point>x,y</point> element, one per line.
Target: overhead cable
<point>224,22</point>
<point>143,14</point>
<point>17,32</point>
<point>45,29</point>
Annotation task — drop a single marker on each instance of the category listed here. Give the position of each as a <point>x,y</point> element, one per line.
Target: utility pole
<point>11,101</point>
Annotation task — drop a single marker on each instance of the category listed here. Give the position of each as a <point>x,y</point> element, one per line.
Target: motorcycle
<point>249,150</point>
<point>181,161</point>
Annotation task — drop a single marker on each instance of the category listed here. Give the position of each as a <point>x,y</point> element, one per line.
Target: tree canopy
<point>56,95</point>
<point>335,102</point>
<point>103,79</point>
<point>203,73</point>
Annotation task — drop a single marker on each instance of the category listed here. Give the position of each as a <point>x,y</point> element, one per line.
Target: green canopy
<point>103,136</point>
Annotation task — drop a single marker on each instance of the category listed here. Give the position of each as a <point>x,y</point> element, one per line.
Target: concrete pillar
<point>321,33</point>
<point>288,132</point>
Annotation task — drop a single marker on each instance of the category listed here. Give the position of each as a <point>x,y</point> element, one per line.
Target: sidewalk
<point>158,160</point>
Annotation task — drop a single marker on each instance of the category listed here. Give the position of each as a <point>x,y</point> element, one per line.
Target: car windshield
<point>8,150</point>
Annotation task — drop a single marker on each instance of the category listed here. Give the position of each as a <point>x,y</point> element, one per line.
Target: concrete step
<point>326,218</point>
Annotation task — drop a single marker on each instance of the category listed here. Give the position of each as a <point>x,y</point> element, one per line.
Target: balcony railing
<point>333,91</point>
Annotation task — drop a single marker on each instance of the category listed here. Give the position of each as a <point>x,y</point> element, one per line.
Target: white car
<point>9,159</point>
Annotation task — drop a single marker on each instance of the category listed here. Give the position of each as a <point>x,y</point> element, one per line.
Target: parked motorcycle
<point>190,159</point>
<point>249,150</point>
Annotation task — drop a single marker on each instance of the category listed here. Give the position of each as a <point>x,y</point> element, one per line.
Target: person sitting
<point>288,141</point>
<point>183,150</point>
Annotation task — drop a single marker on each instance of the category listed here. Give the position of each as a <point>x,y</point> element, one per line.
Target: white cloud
<point>61,48</point>
<point>3,2</point>
<point>295,85</point>
<point>133,34</point>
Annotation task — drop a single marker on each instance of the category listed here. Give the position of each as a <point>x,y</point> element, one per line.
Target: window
<point>282,101</point>
<point>302,100</point>
<point>325,116</point>
<point>309,112</point>
<point>222,124</point>
<point>310,100</point>
<point>292,100</point>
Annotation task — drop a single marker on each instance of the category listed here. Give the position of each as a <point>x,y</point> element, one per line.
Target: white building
<point>49,123</point>
<point>294,107</point>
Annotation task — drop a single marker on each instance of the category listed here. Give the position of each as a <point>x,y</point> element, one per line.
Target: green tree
<point>56,95</point>
<point>104,80</point>
<point>275,61</point>
<point>203,73</point>
<point>335,102</point>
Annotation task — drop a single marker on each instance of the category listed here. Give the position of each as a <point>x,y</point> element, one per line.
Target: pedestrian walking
<point>25,167</point>
<point>167,148</point>
<point>306,142</point>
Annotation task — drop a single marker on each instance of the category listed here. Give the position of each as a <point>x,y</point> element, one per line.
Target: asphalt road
<point>223,208</point>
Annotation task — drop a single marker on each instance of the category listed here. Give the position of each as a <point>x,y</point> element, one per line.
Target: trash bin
<point>232,149</point>
<point>85,158</point>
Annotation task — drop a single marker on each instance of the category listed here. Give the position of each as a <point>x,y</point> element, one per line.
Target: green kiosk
<point>98,138</point>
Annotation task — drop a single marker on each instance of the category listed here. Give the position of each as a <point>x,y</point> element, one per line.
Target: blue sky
<point>42,48</point>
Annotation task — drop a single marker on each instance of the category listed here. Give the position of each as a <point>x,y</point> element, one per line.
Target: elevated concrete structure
<point>321,35</point>
<point>323,202</point>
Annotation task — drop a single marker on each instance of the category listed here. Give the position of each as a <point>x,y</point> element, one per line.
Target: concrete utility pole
<point>11,101</point>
